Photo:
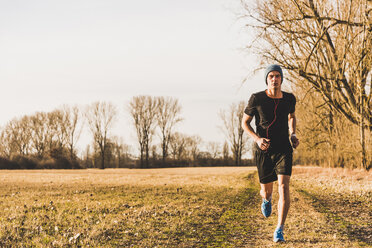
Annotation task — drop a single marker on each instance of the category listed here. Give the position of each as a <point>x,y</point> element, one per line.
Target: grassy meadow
<point>180,207</point>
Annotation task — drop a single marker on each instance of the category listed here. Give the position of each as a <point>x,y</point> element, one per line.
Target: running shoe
<point>266,207</point>
<point>278,235</point>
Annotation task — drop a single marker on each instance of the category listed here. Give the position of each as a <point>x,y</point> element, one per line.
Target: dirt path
<point>308,225</point>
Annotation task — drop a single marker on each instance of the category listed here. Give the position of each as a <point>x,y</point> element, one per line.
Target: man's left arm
<point>292,129</point>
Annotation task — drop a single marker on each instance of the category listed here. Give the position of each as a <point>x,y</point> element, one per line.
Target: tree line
<point>48,139</point>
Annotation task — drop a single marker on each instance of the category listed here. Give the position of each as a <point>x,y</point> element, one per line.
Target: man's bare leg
<point>266,190</point>
<point>283,206</point>
<point>284,198</point>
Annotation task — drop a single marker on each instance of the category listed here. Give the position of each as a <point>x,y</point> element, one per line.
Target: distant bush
<point>6,164</point>
<point>62,160</point>
<point>25,162</point>
<point>58,163</point>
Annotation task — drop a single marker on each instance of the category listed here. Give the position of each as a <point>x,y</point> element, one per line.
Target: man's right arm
<point>262,143</point>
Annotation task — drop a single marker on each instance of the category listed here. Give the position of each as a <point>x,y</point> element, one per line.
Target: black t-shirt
<point>271,118</point>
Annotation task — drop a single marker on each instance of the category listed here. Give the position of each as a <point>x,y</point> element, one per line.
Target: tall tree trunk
<point>142,150</point>
<point>332,159</point>
<point>147,155</point>
<point>236,153</point>
<point>363,144</point>
<point>241,132</point>
<point>362,135</point>
<point>102,159</point>
<point>72,153</point>
<point>119,159</point>
<point>164,150</point>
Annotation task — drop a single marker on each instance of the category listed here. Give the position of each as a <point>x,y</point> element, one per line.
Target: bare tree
<point>323,129</point>
<point>41,133</point>
<point>214,148</point>
<point>234,132</point>
<point>225,152</point>
<point>101,117</point>
<point>121,151</point>
<point>87,156</point>
<point>5,148</point>
<point>143,110</point>
<point>167,116</point>
<point>24,138</point>
<point>193,147</point>
<point>16,137</point>
<point>72,127</point>
<point>56,126</point>
<point>185,147</point>
<point>326,44</point>
<point>177,145</point>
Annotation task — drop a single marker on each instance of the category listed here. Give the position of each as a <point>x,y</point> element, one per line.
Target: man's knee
<point>284,188</point>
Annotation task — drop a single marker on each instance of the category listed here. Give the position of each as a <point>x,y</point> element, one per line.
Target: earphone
<point>276,106</point>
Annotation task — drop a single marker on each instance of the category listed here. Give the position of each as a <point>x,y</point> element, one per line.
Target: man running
<point>274,112</point>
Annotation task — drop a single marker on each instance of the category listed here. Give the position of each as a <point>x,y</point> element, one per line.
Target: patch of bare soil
<point>343,196</point>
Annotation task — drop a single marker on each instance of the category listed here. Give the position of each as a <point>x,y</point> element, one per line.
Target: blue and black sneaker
<point>278,235</point>
<point>266,207</point>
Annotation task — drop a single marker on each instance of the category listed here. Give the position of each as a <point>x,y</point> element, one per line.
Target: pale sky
<point>77,52</point>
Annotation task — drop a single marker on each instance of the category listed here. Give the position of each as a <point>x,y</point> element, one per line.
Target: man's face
<point>274,79</point>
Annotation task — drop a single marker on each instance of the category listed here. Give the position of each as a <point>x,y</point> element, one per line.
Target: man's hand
<point>294,140</point>
<point>263,143</point>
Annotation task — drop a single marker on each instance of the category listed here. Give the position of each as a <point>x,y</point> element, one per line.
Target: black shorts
<point>270,164</point>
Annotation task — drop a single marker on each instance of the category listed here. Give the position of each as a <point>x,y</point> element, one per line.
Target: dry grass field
<point>180,207</point>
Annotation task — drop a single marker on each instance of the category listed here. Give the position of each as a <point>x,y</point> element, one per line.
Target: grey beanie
<point>271,68</point>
